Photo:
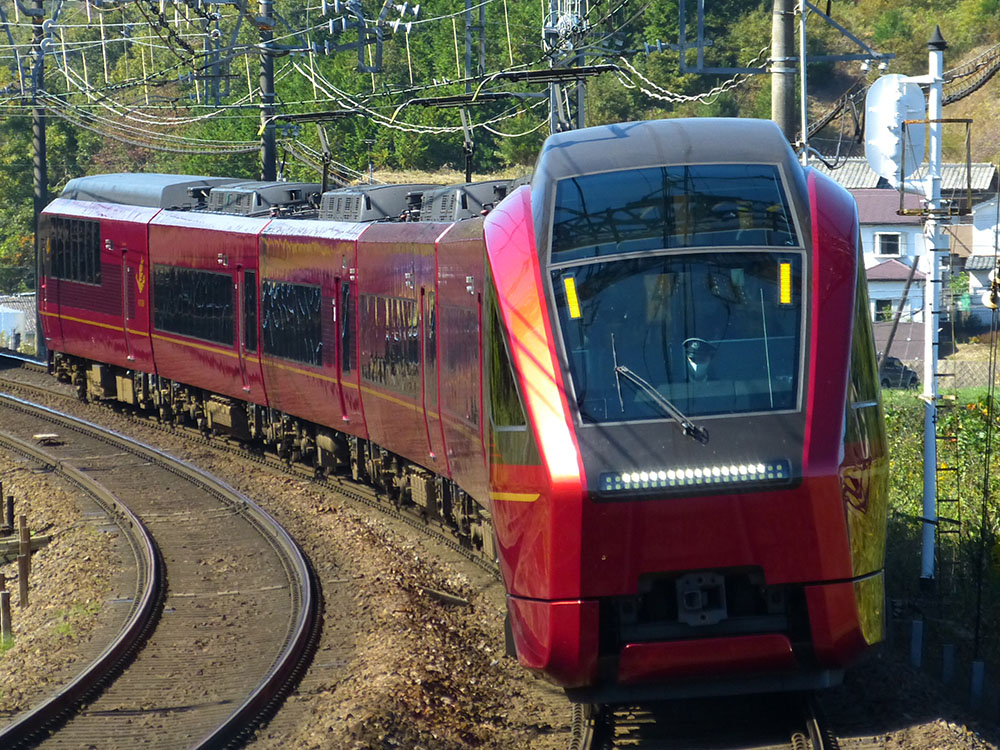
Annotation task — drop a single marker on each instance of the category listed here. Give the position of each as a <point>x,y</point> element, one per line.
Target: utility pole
<point>551,40</point>
<point>562,37</point>
<point>581,87</point>
<point>468,142</point>
<point>936,243</point>
<point>268,148</point>
<point>782,67</point>
<point>479,29</point>
<point>40,172</point>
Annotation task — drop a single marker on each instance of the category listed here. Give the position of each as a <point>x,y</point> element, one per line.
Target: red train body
<point>646,383</point>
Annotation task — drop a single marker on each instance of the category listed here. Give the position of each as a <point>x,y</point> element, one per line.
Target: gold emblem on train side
<point>140,277</point>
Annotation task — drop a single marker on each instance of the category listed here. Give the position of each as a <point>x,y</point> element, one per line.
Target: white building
<point>893,243</point>
<point>983,258</point>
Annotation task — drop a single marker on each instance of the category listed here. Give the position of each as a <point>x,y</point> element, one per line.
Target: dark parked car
<point>894,374</point>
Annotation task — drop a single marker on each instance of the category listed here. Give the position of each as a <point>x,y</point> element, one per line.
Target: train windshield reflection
<point>701,205</point>
<point>713,333</point>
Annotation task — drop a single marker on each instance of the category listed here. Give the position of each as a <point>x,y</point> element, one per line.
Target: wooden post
<point>24,545</point>
<point>23,561</point>
<point>8,517</point>
<point>6,628</point>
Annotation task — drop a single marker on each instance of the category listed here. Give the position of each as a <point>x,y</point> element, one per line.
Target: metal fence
<point>961,373</point>
<point>18,323</point>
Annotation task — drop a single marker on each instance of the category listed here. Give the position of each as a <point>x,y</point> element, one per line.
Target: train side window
<point>394,361</point>
<point>510,439</point>
<point>291,324</point>
<point>193,303</point>
<point>250,310</point>
<point>863,422</point>
<point>346,328</point>
<point>505,403</point>
<point>76,249</point>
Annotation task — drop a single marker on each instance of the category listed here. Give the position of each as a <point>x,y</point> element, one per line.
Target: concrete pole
<point>468,46</point>
<point>581,87</point>
<point>782,68</point>
<point>554,90</point>
<point>40,164</point>
<point>803,92</point>
<point>934,243</point>
<point>268,146</point>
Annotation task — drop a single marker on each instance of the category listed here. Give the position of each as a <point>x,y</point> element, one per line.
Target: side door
<point>240,289</point>
<point>135,310</point>
<point>342,347</point>
<point>51,232</point>
<point>429,377</point>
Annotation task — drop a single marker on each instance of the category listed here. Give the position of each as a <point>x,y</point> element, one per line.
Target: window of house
<point>884,309</point>
<point>889,243</point>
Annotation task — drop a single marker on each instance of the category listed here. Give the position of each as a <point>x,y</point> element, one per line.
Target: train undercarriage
<point>295,440</point>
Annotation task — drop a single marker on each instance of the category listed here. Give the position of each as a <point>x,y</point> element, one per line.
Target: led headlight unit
<point>770,472</point>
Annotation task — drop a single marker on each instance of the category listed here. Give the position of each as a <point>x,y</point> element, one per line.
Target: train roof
<point>628,145</point>
<point>255,198</point>
<point>463,201</point>
<point>152,190</point>
<point>372,202</point>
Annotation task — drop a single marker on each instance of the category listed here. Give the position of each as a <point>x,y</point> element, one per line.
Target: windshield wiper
<point>689,428</point>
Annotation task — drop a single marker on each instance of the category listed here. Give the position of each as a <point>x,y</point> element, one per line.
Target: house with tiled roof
<point>894,243</point>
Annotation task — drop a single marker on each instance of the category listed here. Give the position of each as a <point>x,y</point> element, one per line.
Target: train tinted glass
<point>711,333</point>
<point>703,205</point>
<point>193,303</point>
<point>291,326</point>
<point>75,247</point>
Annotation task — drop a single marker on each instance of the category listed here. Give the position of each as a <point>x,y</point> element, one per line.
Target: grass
<point>67,620</point>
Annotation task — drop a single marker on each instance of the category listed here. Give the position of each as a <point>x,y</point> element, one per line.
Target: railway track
<point>237,620</point>
<point>758,722</point>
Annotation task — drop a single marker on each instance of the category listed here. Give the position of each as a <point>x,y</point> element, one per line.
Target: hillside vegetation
<point>119,117</point>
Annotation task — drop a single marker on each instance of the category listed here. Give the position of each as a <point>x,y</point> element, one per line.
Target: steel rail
<point>151,587</point>
<point>301,637</point>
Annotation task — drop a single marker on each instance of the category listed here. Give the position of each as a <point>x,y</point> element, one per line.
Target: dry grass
<point>444,176</point>
<point>972,352</point>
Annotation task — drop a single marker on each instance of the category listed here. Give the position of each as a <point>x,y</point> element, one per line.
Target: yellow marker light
<point>571,298</point>
<point>785,283</point>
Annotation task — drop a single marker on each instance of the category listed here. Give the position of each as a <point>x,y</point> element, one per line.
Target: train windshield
<point>701,205</point>
<point>711,333</point>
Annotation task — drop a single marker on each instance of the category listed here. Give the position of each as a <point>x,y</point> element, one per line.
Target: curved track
<point>144,608</point>
<point>239,615</point>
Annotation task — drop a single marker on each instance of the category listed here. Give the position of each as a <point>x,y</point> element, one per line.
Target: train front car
<point>692,499</point>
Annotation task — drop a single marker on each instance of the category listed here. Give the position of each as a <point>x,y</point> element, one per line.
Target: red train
<point>646,382</point>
